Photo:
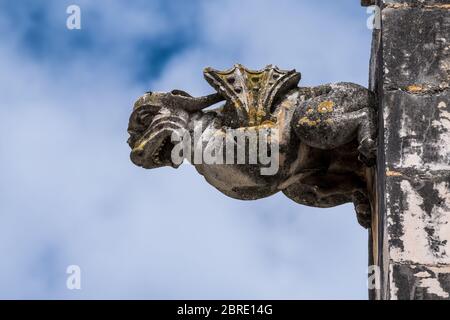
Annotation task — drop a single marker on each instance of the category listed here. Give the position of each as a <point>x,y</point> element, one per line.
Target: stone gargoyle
<point>320,141</point>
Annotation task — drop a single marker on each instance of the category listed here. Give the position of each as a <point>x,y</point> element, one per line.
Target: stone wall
<point>410,71</point>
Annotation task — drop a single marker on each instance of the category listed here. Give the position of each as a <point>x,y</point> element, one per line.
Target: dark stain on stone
<point>409,284</point>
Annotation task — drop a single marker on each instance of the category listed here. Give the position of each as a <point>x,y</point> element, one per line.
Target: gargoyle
<point>324,136</point>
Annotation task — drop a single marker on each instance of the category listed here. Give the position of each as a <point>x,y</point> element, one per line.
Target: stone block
<point>416,48</point>
<point>417,130</point>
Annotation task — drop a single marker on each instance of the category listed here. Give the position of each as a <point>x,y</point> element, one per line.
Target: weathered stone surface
<point>406,3</point>
<point>416,50</point>
<point>418,215</point>
<point>418,3</point>
<point>419,282</point>
<point>410,71</point>
<point>417,134</point>
<point>366,3</point>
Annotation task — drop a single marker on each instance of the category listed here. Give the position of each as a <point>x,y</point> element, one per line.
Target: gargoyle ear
<point>180,93</point>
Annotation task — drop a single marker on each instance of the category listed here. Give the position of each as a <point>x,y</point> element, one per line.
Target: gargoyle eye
<point>146,116</point>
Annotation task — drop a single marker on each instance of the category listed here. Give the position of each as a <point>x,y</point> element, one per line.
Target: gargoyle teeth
<point>157,152</point>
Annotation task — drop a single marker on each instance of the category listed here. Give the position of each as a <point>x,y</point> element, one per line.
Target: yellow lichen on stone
<point>326,106</point>
<point>414,88</point>
<point>391,173</point>
<point>141,146</point>
<point>260,114</point>
<point>268,123</point>
<point>308,122</point>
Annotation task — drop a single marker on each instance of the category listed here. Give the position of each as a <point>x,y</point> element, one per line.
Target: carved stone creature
<point>324,135</point>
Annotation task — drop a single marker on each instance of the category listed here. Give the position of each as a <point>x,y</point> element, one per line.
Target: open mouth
<point>152,147</point>
<point>163,154</point>
<point>155,151</point>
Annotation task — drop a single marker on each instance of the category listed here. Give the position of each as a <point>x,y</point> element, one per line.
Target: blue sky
<point>70,195</point>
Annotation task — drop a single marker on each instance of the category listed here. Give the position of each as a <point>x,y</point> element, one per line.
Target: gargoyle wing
<point>250,92</point>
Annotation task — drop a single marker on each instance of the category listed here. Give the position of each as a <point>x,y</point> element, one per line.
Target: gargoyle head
<point>155,117</point>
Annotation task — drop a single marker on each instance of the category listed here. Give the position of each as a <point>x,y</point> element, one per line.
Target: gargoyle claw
<point>367,151</point>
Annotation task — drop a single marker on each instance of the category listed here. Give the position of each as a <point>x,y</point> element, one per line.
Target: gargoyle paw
<point>363,214</point>
<point>367,149</point>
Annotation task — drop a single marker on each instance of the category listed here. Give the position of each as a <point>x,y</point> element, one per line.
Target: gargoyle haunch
<point>325,135</point>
